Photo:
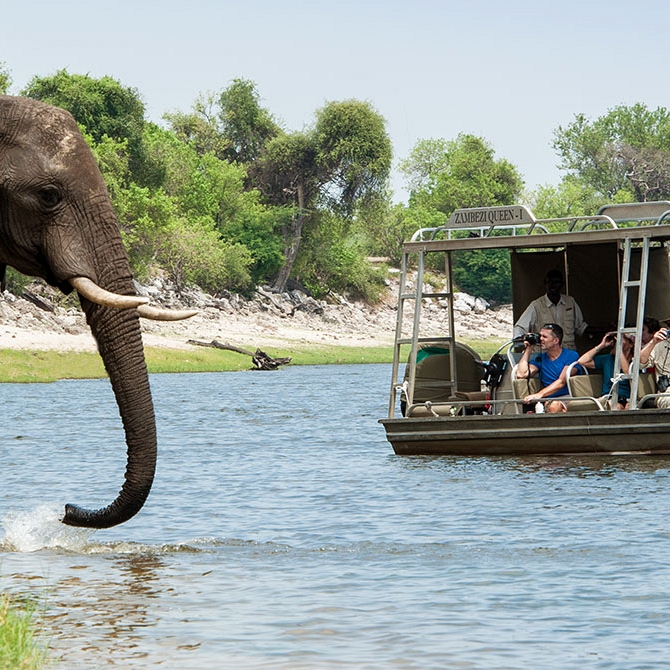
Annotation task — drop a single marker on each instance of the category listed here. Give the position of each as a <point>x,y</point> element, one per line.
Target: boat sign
<point>490,216</point>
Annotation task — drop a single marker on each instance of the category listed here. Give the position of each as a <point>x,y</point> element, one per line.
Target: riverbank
<point>43,338</point>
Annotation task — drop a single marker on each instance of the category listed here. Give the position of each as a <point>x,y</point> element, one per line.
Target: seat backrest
<point>433,372</point>
<point>523,387</point>
<point>585,386</point>
<point>646,384</point>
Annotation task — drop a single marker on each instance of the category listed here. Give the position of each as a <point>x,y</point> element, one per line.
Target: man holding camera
<point>656,353</point>
<point>549,364</point>
<point>553,307</point>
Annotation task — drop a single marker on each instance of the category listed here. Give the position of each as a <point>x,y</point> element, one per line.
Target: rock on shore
<point>39,321</point>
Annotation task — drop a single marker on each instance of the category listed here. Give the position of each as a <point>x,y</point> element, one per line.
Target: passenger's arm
<point>586,359</point>
<point>551,388</point>
<point>627,352</point>
<point>525,368</point>
<point>646,350</point>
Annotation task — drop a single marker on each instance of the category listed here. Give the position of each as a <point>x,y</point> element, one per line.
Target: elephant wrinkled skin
<point>57,222</point>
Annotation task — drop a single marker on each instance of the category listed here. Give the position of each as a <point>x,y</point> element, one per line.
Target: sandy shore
<point>23,325</point>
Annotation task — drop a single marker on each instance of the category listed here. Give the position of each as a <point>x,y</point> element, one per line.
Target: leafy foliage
<point>626,149</point>
<point>469,176</point>
<point>334,259</point>
<point>572,197</point>
<point>484,272</point>
<point>192,252</point>
<point>104,108</point>
<point>5,79</point>
<point>245,125</point>
<point>448,175</point>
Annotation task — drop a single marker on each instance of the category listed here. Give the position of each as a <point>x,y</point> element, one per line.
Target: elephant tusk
<point>91,291</point>
<point>157,314</point>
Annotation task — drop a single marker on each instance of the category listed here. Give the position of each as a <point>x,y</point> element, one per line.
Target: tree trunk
<point>259,358</point>
<point>292,237</point>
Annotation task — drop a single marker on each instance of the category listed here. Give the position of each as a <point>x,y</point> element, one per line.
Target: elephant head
<point>57,222</point>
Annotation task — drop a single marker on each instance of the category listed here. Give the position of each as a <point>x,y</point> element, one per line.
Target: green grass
<point>18,645</point>
<point>47,366</point>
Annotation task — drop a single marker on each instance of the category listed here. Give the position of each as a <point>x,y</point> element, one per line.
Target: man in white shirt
<point>656,354</point>
<point>553,307</point>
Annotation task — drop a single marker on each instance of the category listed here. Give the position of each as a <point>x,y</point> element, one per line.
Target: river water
<point>282,532</point>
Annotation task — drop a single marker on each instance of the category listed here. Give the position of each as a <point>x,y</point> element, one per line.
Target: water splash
<point>41,528</point>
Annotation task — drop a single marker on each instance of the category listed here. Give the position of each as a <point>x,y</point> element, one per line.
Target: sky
<point>511,72</point>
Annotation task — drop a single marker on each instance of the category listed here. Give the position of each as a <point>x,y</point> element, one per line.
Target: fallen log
<point>260,359</point>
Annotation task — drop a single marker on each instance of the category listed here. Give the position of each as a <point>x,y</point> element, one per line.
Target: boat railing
<point>454,407</point>
<point>496,221</point>
<point>648,401</point>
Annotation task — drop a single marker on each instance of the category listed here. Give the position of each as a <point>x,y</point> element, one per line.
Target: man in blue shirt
<point>549,364</point>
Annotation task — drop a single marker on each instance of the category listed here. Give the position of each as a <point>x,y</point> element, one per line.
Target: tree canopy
<point>224,196</point>
<point>219,197</point>
<point>5,79</point>
<point>341,163</point>
<point>622,153</point>
<point>448,175</point>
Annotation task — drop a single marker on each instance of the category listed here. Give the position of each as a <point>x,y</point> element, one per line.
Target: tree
<point>5,79</point>
<point>200,128</point>
<point>340,164</point>
<point>467,174</point>
<point>103,107</point>
<point>353,154</point>
<point>628,149</point>
<point>212,191</point>
<point>572,197</point>
<point>232,126</point>
<point>245,125</point>
<point>428,159</point>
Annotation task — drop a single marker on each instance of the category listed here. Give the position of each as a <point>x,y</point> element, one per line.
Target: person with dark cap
<point>553,307</point>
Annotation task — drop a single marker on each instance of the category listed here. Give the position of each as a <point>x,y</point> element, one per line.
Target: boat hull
<point>614,433</point>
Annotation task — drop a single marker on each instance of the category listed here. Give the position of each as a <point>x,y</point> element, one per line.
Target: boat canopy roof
<point>515,226</point>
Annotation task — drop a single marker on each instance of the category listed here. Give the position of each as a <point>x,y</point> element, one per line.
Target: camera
<point>531,338</point>
<point>666,331</point>
<point>662,383</point>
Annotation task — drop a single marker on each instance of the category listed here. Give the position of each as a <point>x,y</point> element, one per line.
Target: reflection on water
<point>283,532</point>
<point>106,616</point>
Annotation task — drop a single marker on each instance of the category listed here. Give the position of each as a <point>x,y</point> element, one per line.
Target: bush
<point>191,252</point>
<point>485,273</point>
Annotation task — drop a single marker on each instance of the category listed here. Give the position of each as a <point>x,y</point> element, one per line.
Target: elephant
<point>57,223</point>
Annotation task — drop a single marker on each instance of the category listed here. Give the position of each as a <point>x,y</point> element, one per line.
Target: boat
<point>445,400</point>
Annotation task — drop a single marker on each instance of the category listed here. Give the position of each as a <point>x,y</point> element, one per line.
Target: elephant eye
<point>50,196</point>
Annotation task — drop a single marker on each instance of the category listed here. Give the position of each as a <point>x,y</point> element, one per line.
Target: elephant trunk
<point>117,332</point>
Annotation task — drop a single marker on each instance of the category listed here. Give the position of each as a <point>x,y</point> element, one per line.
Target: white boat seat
<point>584,404</point>
<point>433,372</point>
<point>646,384</point>
<point>523,387</point>
<point>584,385</point>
